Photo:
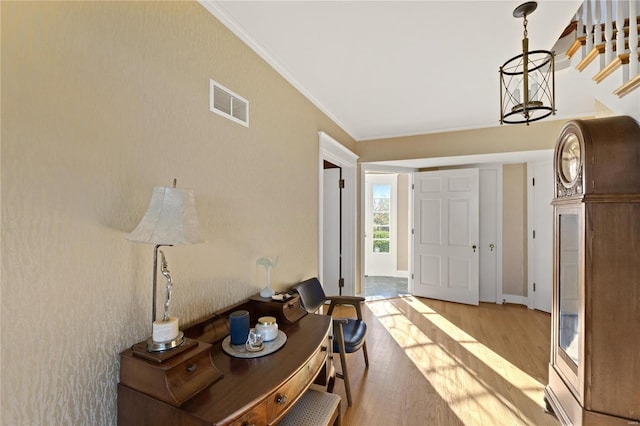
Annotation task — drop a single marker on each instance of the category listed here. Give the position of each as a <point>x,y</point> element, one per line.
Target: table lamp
<point>170,220</point>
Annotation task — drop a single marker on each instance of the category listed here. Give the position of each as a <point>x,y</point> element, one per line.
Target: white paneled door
<point>331,246</point>
<point>446,235</point>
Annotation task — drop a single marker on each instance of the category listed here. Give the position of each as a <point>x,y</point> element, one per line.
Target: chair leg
<point>343,362</point>
<point>366,355</point>
<point>330,384</point>
<point>331,381</point>
<point>338,421</point>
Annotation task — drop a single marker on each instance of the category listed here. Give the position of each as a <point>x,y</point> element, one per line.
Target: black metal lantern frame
<point>527,81</point>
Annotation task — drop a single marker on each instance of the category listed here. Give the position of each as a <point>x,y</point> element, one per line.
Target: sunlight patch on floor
<point>461,371</point>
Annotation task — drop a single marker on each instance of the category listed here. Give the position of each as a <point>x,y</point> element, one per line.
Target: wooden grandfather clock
<point>594,372</point>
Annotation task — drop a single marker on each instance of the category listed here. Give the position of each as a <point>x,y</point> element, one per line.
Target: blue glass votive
<point>239,326</point>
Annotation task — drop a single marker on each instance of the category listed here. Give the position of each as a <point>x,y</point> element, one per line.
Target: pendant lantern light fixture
<point>527,82</point>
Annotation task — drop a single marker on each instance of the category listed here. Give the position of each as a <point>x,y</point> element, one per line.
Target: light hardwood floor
<point>440,363</point>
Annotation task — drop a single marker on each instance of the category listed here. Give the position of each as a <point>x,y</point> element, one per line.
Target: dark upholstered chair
<point>349,334</point>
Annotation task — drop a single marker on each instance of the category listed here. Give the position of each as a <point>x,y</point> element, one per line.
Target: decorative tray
<point>240,351</point>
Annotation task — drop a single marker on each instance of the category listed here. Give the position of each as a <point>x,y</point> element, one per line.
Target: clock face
<point>570,159</point>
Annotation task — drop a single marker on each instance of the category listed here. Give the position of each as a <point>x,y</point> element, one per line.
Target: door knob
<point>492,246</point>
<point>474,247</point>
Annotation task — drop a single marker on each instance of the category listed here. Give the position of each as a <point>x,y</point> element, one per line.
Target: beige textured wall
<point>101,101</point>
<point>514,226</point>
<point>507,138</point>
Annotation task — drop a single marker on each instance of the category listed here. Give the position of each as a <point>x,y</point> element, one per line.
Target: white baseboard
<point>511,298</point>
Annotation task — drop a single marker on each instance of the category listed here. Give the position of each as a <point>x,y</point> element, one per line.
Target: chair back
<point>311,294</point>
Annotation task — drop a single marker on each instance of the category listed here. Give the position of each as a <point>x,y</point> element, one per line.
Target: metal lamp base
<point>153,346</point>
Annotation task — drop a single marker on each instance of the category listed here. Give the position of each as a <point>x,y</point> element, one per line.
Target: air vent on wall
<point>226,103</point>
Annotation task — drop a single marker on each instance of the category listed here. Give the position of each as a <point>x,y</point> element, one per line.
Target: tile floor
<point>384,287</point>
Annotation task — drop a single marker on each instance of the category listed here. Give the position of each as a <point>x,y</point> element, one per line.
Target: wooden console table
<point>256,391</point>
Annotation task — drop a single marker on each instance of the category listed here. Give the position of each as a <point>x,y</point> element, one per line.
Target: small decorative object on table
<point>255,341</point>
<point>239,327</point>
<point>281,297</point>
<point>268,327</point>
<point>267,291</point>
<point>246,351</point>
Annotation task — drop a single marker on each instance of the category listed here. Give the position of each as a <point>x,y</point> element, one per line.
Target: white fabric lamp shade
<point>170,219</point>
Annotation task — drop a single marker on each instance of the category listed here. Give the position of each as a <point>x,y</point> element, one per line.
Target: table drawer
<point>280,400</point>
<point>174,380</point>
<point>191,376</point>
<point>256,417</point>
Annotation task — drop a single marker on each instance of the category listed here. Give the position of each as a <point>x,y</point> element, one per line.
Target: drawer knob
<point>323,349</point>
<point>246,423</point>
<point>291,305</point>
<point>281,399</point>
<point>192,367</point>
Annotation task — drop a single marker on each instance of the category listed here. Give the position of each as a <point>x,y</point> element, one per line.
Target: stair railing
<point>599,38</point>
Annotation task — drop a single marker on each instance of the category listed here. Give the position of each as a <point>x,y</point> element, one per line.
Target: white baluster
<point>608,32</point>
<point>580,20</point>
<point>588,21</point>
<point>633,38</point>
<point>597,28</point>
<point>622,7</point>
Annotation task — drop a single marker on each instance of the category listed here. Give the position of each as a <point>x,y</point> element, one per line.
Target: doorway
<point>494,287</point>
<point>381,225</point>
<point>387,234</point>
<point>489,248</point>
<point>343,231</point>
<point>332,278</point>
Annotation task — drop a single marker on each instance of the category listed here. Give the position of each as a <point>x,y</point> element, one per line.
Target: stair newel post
<point>633,39</point>
<point>608,33</point>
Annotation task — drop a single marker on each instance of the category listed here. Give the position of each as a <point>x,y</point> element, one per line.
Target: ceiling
<point>394,68</point>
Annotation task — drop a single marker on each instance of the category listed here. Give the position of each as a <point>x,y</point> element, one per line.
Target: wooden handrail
<point>607,38</point>
<point>589,57</point>
<point>617,62</point>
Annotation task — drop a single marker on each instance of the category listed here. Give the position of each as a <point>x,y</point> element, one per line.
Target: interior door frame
<point>334,152</point>
<point>368,168</point>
